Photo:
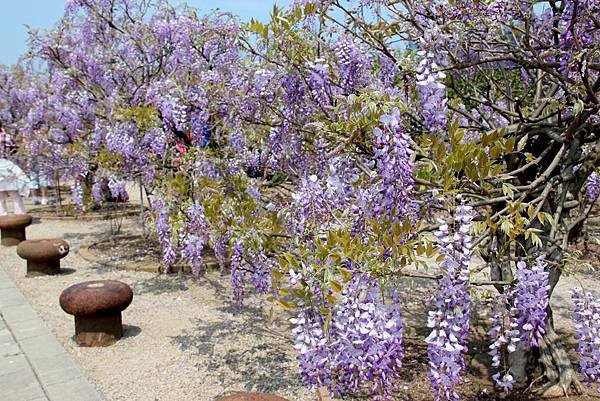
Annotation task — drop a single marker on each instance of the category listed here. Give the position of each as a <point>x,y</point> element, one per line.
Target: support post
<point>142,206</point>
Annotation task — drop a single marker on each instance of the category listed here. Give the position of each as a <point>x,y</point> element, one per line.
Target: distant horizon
<point>44,14</point>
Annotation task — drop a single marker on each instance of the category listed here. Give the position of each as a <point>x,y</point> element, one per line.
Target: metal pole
<point>142,207</point>
<point>58,193</point>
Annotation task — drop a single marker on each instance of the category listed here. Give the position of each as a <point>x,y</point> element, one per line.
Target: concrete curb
<point>86,254</point>
<point>86,216</point>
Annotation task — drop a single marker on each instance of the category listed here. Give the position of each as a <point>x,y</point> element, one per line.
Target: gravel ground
<point>184,339</point>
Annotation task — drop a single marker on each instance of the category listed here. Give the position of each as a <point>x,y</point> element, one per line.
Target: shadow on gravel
<point>159,285</point>
<point>128,331</point>
<point>263,363</point>
<point>131,331</point>
<point>222,292</point>
<point>65,271</point>
<point>80,236</point>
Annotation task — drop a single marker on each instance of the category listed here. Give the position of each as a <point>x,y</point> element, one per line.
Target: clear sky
<point>43,14</point>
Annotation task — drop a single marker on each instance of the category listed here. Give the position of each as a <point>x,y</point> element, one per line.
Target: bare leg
<point>3,196</point>
<point>17,202</point>
<point>44,192</point>
<point>35,196</point>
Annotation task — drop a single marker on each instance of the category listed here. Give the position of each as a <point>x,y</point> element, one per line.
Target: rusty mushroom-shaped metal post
<point>13,228</point>
<point>97,307</point>
<point>43,256</point>
<point>252,397</point>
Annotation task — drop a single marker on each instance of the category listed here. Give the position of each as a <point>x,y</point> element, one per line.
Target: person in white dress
<point>14,183</point>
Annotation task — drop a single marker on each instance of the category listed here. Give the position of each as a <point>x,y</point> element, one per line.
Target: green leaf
<point>508,190</point>
<point>287,305</point>
<point>578,107</point>
<point>522,143</point>
<point>346,274</point>
<point>536,240</point>
<point>506,226</point>
<point>335,286</point>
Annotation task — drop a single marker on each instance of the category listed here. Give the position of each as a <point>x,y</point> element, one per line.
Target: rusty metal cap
<point>96,298</point>
<point>252,397</point>
<point>43,250</point>
<point>15,221</point>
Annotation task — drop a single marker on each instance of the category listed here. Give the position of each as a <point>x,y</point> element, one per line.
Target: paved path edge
<point>34,366</point>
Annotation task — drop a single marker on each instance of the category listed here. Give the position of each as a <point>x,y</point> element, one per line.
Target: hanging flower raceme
<point>77,191</point>
<point>309,204</point>
<point>450,320</point>
<point>432,94</point>
<point>392,155</point>
<point>592,186</point>
<point>310,341</point>
<point>505,338</point>
<point>294,88</point>
<point>195,237</point>
<point>362,348</point>
<point>524,321</point>
<point>97,191</point>
<point>531,301</point>
<point>118,190</point>
<point>388,70</point>
<point>238,273</point>
<point>121,140</point>
<point>353,64</point>
<point>319,82</point>
<point>251,265</point>
<point>586,315</point>
<point>164,232</point>
<point>221,246</point>
<point>367,340</point>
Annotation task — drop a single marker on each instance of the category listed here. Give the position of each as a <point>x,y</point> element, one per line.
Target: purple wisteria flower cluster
<point>449,322</point>
<point>319,82</point>
<point>391,194</point>
<point>354,64</point>
<point>195,237</point>
<point>388,70</point>
<point>311,343</point>
<point>237,264</point>
<point>163,230</point>
<point>97,191</point>
<point>253,265</point>
<point>221,247</point>
<point>531,301</point>
<point>362,347</point>
<point>117,189</point>
<point>77,192</point>
<point>505,337</point>
<point>432,94</point>
<point>519,317</point>
<point>586,315</point>
<point>309,204</point>
<point>592,186</point>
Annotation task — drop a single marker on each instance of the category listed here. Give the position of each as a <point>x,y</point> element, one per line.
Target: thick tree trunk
<point>558,370</point>
<point>557,367</point>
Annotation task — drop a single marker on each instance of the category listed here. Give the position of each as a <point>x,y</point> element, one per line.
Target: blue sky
<point>43,14</point>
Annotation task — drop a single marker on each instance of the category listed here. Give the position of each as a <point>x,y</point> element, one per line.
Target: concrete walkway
<point>33,364</point>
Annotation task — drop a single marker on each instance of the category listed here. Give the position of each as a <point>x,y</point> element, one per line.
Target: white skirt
<point>12,178</point>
